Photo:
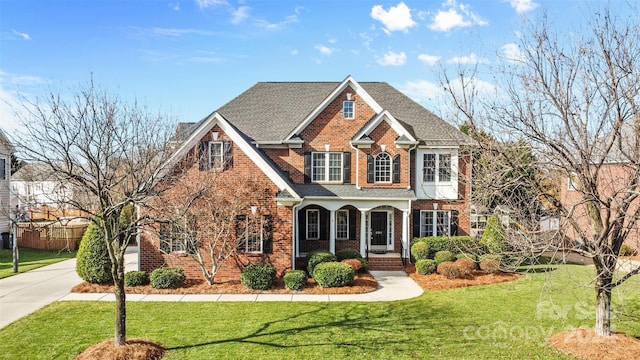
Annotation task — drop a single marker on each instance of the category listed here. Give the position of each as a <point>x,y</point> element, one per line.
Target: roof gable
<point>386,116</point>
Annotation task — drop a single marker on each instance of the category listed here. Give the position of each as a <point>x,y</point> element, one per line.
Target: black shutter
<point>346,166</point>
<point>396,169</point>
<point>324,224</point>
<point>302,225</point>
<point>416,223</point>
<point>203,156</point>
<point>241,232</point>
<point>191,246</point>
<point>307,167</point>
<point>267,234</point>
<point>227,154</point>
<point>165,237</point>
<point>454,223</point>
<point>370,169</point>
<point>352,224</point>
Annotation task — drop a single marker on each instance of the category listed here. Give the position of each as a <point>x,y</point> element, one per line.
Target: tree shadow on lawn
<point>396,318</point>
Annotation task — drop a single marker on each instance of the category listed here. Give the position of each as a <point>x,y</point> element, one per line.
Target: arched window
<point>383,168</point>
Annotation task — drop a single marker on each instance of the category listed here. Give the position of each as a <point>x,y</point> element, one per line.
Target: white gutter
<point>357,165</point>
<point>294,235</point>
<point>409,167</point>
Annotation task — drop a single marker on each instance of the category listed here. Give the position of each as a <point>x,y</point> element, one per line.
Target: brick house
<point>344,165</point>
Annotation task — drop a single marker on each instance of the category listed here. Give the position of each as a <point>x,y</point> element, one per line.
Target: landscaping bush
<point>495,257</point>
<point>365,265</point>
<point>167,278</point>
<point>626,250</point>
<point>354,263</point>
<point>420,251</point>
<point>136,278</point>
<point>442,256</point>
<point>348,254</point>
<point>295,279</point>
<point>333,274</point>
<point>426,266</point>
<point>318,257</point>
<point>454,244</point>
<point>258,276</point>
<point>466,266</point>
<point>93,264</point>
<point>493,237</point>
<point>490,266</point>
<point>450,270</point>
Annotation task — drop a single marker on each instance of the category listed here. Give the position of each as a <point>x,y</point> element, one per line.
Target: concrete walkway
<point>25,293</point>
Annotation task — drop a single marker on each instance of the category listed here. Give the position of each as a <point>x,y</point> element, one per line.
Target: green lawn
<point>31,259</point>
<point>503,321</point>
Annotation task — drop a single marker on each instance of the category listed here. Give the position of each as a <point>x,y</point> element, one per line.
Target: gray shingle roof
<point>350,191</point>
<point>269,111</point>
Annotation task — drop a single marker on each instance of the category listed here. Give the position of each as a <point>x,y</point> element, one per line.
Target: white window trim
<point>212,157</point>
<point>5,175</point>
<point>390,228</point>
<point>376,172</point>
<point>342,211</point>
<point>318,224</point>
<point>353,109</point>
<point>246,238</point>
<point>572,184</point>
<point>436,175</point>
<point>434,225</point>
<point>327,167</point>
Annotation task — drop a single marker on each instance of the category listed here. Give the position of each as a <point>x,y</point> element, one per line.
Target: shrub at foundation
<point>490,266</point>
<point>444,255</point>
<point>317,257</point>
<point>420,251</point>
<point>258,276</point>
<point>354,263</point>
<point>426,266</point>
<point>136,278</point>
<point>93,263</point>
<point>348,254</point>
<point>334,274</point>
<point>295,279</point>
<point>167,278</point>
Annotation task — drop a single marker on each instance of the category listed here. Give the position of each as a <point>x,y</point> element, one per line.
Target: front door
<point>379,230</point>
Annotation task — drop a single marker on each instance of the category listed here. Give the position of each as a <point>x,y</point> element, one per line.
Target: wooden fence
<point>51,235</point>
<point>52,213</point>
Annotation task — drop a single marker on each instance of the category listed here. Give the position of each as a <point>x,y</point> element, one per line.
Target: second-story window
<point>326,166</point>
<point>436,168</point>
<point>348,109</point>
<point>383,168</point>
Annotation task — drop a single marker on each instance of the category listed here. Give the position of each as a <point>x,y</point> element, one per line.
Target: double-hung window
<point>177,237</point>
<point>435,223</point>
<point>436,168</point>
<point>348,109</point>
<point>254,233</point>
<point>326,166</point>
<point>342,224</point>
<point>216,154</point>
<point>383,168</point>
<point>313,224</point>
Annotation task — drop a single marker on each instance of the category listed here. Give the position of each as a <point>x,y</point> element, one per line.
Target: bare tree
<point>208,215</point>
<point>107,149</point>
<point>574,100</point>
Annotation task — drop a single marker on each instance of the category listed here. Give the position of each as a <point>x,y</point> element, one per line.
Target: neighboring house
<point>6,149</point>
<point>344,165</point>
<point>35,185</point>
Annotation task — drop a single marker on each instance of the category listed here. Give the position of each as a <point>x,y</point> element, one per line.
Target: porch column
<point>332,231</point>
<point>405,233</point>
<point>363,233</point>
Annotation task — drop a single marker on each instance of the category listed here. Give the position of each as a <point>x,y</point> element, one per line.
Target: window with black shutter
<point>396,169</point>
<point>346,163</point>
<point>370,168</point>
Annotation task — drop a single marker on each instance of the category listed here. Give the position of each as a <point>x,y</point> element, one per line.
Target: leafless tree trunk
<point>107,149</point>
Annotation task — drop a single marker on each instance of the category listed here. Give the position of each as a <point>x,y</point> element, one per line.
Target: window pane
<point>342,224</point>
<point>3,169</point>
<point>442,227</point>
<point>215,154</point>
<point>318,167</point>
<point>444,168</point>
<point>347,110</point>
<point>383,168</point>
<point>429,168</point>
<point>313,217</point>
<point>426,223</point>
<point>335,167</point>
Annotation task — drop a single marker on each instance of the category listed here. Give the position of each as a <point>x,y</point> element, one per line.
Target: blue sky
<point>187,58</point>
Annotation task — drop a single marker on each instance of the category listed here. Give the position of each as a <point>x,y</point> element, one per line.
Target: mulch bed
<point>363,283</point>
<point>585,344</point>
<point>440,282</point>
<point>133,349</point>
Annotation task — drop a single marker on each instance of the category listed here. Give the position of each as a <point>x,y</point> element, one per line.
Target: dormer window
<point>348,109</point>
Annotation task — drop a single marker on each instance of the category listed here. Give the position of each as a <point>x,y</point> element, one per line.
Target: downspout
<point>294,235</point>
<point>137,207</point>
<point>409,228</point>
<point>357,165</point>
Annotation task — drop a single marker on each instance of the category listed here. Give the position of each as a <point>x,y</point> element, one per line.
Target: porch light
<point>254,210</point>
<point>435,206</point>
<point>214,135</point>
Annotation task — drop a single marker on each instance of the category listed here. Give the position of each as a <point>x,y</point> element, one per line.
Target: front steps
<point>385,262</point>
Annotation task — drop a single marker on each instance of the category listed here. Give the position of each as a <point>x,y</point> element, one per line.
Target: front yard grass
<point>503,321</point>
<point>30,259</point>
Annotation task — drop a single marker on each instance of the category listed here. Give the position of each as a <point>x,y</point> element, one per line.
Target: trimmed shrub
<point>136,278</point>
<point>426,266</point>
<point>258,276</point>
<point>490,266</point>
<point>348,254</point>
<point>454,244</point>
<point>333,274</point>
<point>442,256</point>
<point>626,250</point>
<point>295,279</point>
<point>167,278</point>
<point>354,263</point>
<point>420,251</point>
<point>93,264</point>
<point>466,266</point>
<point>317,257</point>
<point>450,270</point>
<point>365,265</point>
<point>493,237</point>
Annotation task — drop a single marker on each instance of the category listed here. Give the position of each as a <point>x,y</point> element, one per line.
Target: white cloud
<point>429,59</point>
<point>324,50</point>
<point>10,98</point>
<point>393,59</point>
<point>239,15</point>
<point>24,36</point>
<point>203,4</point>
<point>468,59</point>
<point>454,15</point>
<point>523,6</point>
<point>175,6</point>
<point>398,18</point>
<point>276,26</point>
<point>422,91</point>
<point>511,52</point>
